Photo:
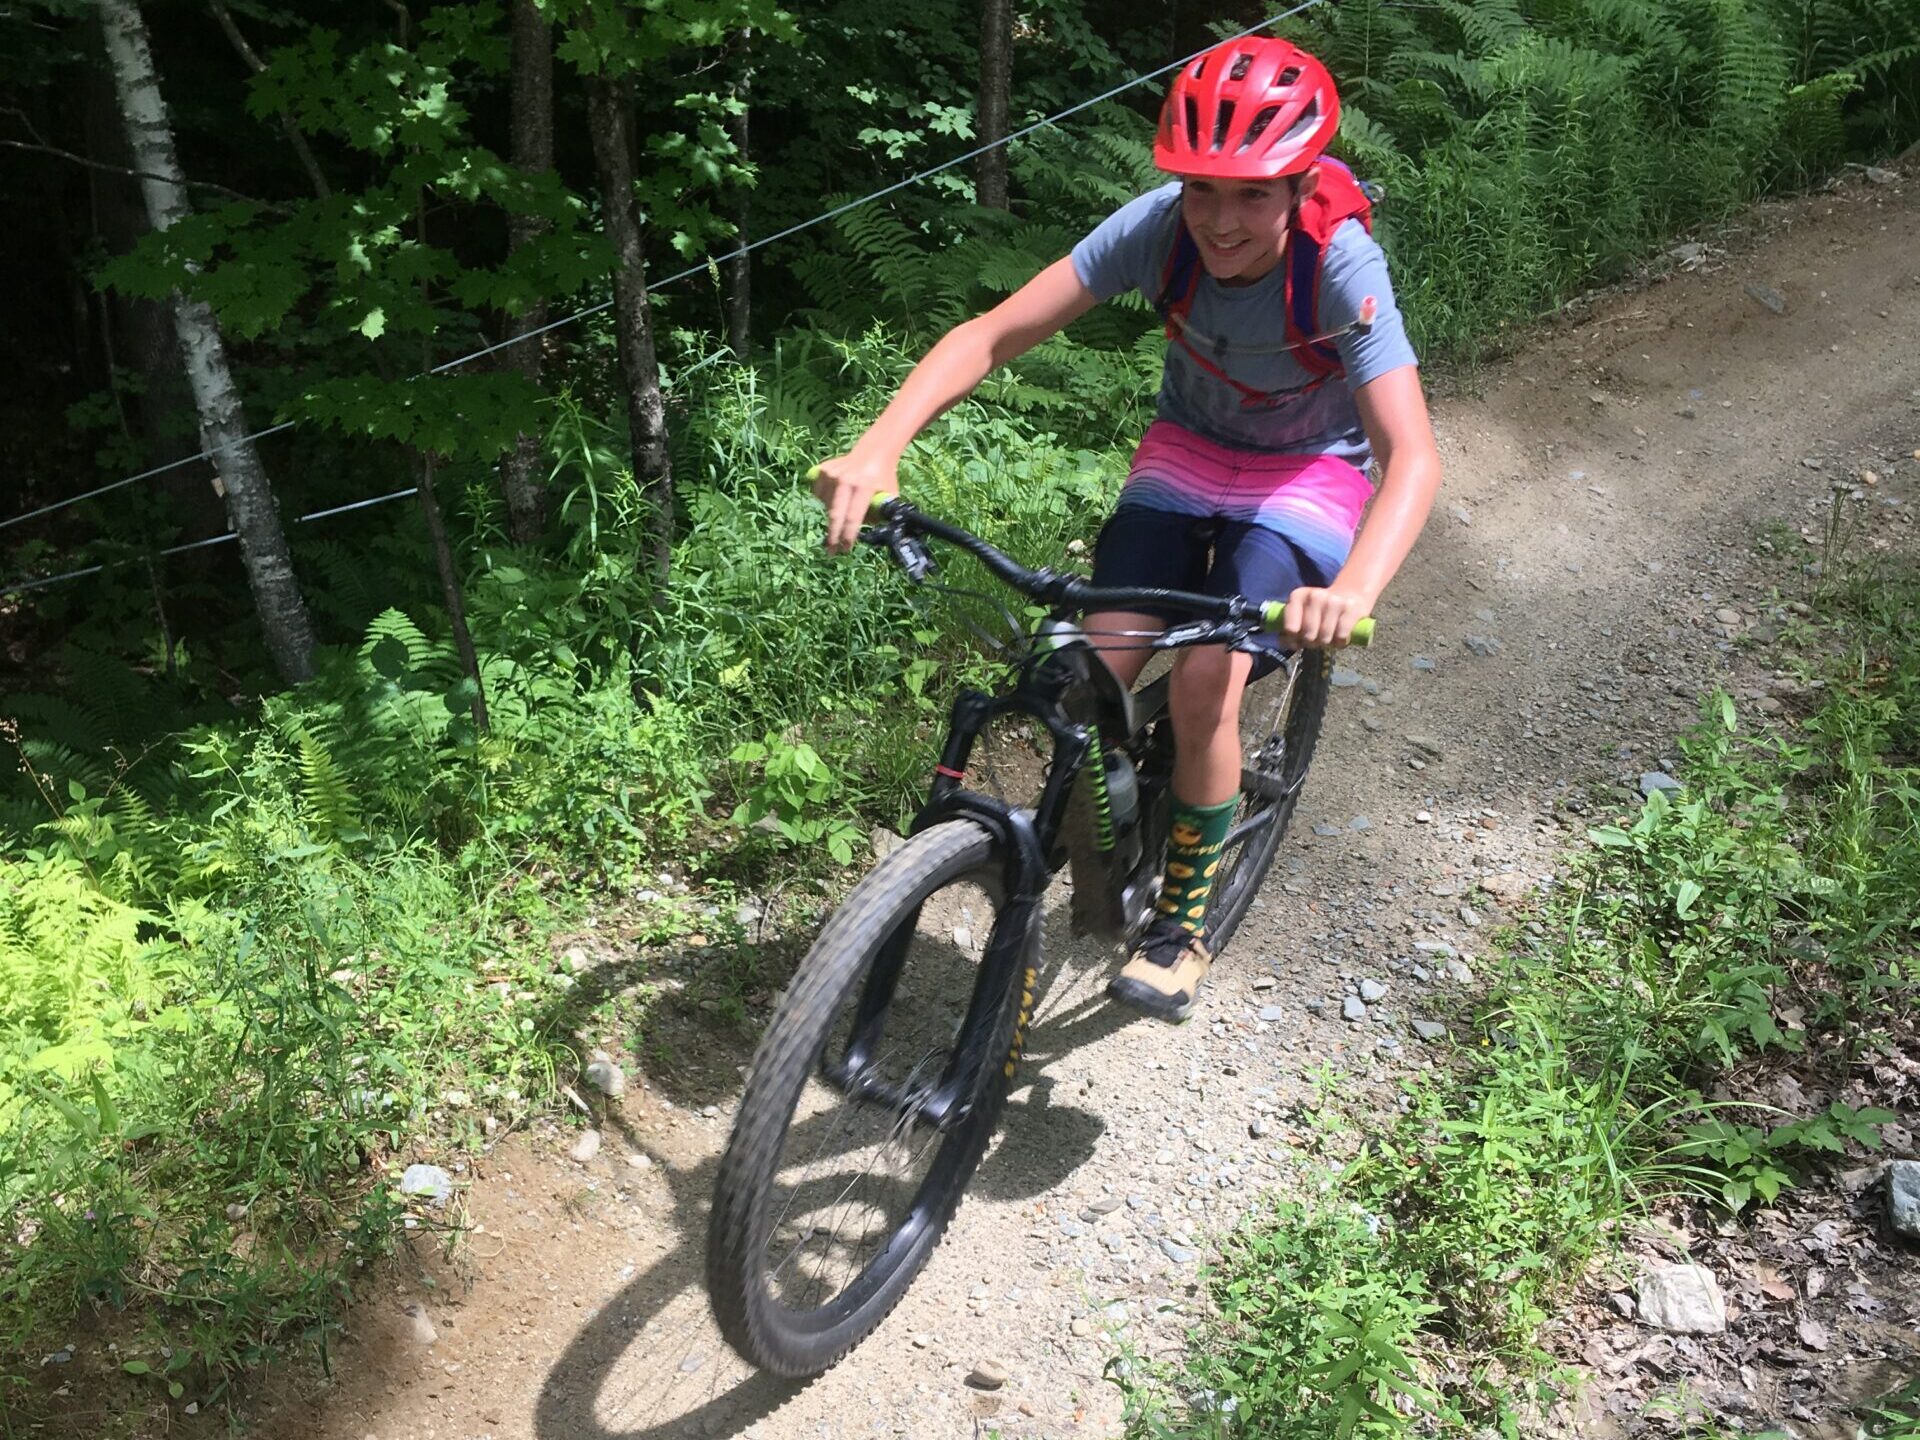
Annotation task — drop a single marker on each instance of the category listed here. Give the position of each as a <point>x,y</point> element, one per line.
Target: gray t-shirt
<point>1242,329</point>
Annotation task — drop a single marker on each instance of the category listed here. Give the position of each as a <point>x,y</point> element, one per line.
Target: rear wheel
<point>835,1186</point>
<point>1281,724</point>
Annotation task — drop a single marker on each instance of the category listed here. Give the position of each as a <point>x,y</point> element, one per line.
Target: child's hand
<point>846,485</point>
<point>1319,619</point>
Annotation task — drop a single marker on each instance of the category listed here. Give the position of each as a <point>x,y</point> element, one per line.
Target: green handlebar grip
<point>880,498</point>
<point>1273,613</point>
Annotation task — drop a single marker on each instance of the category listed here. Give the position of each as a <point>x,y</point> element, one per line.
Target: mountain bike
<point>886,1065</point>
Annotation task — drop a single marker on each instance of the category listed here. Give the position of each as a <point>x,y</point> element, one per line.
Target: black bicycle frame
<point>1065,686</point>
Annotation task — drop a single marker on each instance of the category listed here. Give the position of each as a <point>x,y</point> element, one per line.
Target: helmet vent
<point>1288,76</point>
<point>1259,127</point>
<point>1222,122</point>
<point>1241,65</point>
<point>1193,123</point>
<point>1309,118</point>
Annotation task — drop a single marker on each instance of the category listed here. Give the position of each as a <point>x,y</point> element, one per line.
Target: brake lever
<point>909,552</point>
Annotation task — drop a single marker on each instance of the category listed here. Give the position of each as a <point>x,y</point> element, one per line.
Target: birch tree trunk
<point>521,482</point>
<point>740,268</point>
<point>996,80</point>
<point>608,110</point>
<point>243,482</point>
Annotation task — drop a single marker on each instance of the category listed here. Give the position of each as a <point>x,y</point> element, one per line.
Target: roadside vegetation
<point>1760,921</point>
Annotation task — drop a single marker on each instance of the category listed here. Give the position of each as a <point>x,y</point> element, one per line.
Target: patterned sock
<point>1194,842</point>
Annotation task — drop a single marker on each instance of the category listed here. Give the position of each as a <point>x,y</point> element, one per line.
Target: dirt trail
<point>1582,581</point>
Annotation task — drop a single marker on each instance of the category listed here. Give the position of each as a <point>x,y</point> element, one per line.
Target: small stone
<point>1359,823</point>
<point>1105,1205</point>
<point>1325,830</point>
<point>1729,618</point>
<point>1462,514</point>
<point>236,1213</point>
<point>586,1147</point>
<point>1903,1197</point>
<point>1768,296</point>
<point>1622,1304</point>
<point>1483,645</point>
<point>1177,1253</point>
<point>988,1375</point>
<point>922,1341</point>
<point>692,1363</point>
<point>1652,780</point>
<point>1427,745</point>
<point>1264,982</point>
<point>1272,1014</point>
<point>1373,990</point>
<point>1429,1030</point>
<point>1460,972</point>
<point>884,842</point>
<point>1684,1299</point>
<point>1423,817</point>
<point>637,1161</point>
<point>1257,1129</point>
<point>1813,1334</point>
<point>419,1328</point>
<point>1081,1326</point>
<point>1423,663</point>
<point>1353,1008</point>
<point>1879,175</point>
<point>426,1182</point>
<point>1343,678</point>
<point>608,1078</point>
<point>1812,464</point>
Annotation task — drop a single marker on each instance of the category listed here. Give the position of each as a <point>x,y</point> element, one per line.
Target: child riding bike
<point>1287,371</point>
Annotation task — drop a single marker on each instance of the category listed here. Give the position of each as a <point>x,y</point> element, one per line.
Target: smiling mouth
<point>1221,247</point>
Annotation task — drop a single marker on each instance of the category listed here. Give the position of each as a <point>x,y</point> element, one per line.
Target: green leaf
<point>460,697</point>
<point>1726,710</point>
<point>1686,896</point>
<point>373,324</point>
<point>1611,837</point>
<point>389,659</point>
<point>137,1367</point>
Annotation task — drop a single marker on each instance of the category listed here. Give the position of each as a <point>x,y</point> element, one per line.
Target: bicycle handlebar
<point>895,518</point>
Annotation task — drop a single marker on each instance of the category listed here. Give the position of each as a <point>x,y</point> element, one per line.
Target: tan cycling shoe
<point>1162,977</point>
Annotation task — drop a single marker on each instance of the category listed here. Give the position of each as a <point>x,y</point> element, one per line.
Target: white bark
<point>223,430</point>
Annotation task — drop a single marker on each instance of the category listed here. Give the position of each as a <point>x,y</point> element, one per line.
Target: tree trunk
<point>521,481</point>
<point>450,591</point>
<point>996,79</point>
<point>740,268</point>
<point>302,151</point>
<point>608,118</point>
<point>250,505</point>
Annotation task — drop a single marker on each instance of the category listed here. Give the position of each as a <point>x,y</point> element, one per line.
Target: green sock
<point>1194,841</point>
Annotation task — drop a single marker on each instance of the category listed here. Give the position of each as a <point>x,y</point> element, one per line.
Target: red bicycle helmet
<point>1250,109</point>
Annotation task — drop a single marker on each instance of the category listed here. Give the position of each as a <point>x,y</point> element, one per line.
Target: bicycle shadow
<point>650,1363</point>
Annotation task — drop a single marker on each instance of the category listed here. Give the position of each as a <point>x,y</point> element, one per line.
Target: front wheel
<point>1281,724</point>
<point>835,1187</point>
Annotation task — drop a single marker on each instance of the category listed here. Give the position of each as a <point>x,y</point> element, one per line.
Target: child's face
<point>1239,225</point>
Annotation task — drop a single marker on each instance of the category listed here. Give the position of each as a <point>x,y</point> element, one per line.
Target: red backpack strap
<point>1179,278</point>
<point>1337,199</point>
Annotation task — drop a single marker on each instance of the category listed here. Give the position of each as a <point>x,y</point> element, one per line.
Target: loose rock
<point>1429,1029</point>
<point>427,1182</point>
<point>988,1375</point>
<point>419,1328</point>
<point>1652,780</point>
<point>586,1147</point>
<point>608,1078</point>
<point>1685,1299</point>
<point>1372,990</point>
<point>1353,1008</point>
<point>1768,296</point>
<point>1903,1197</point>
